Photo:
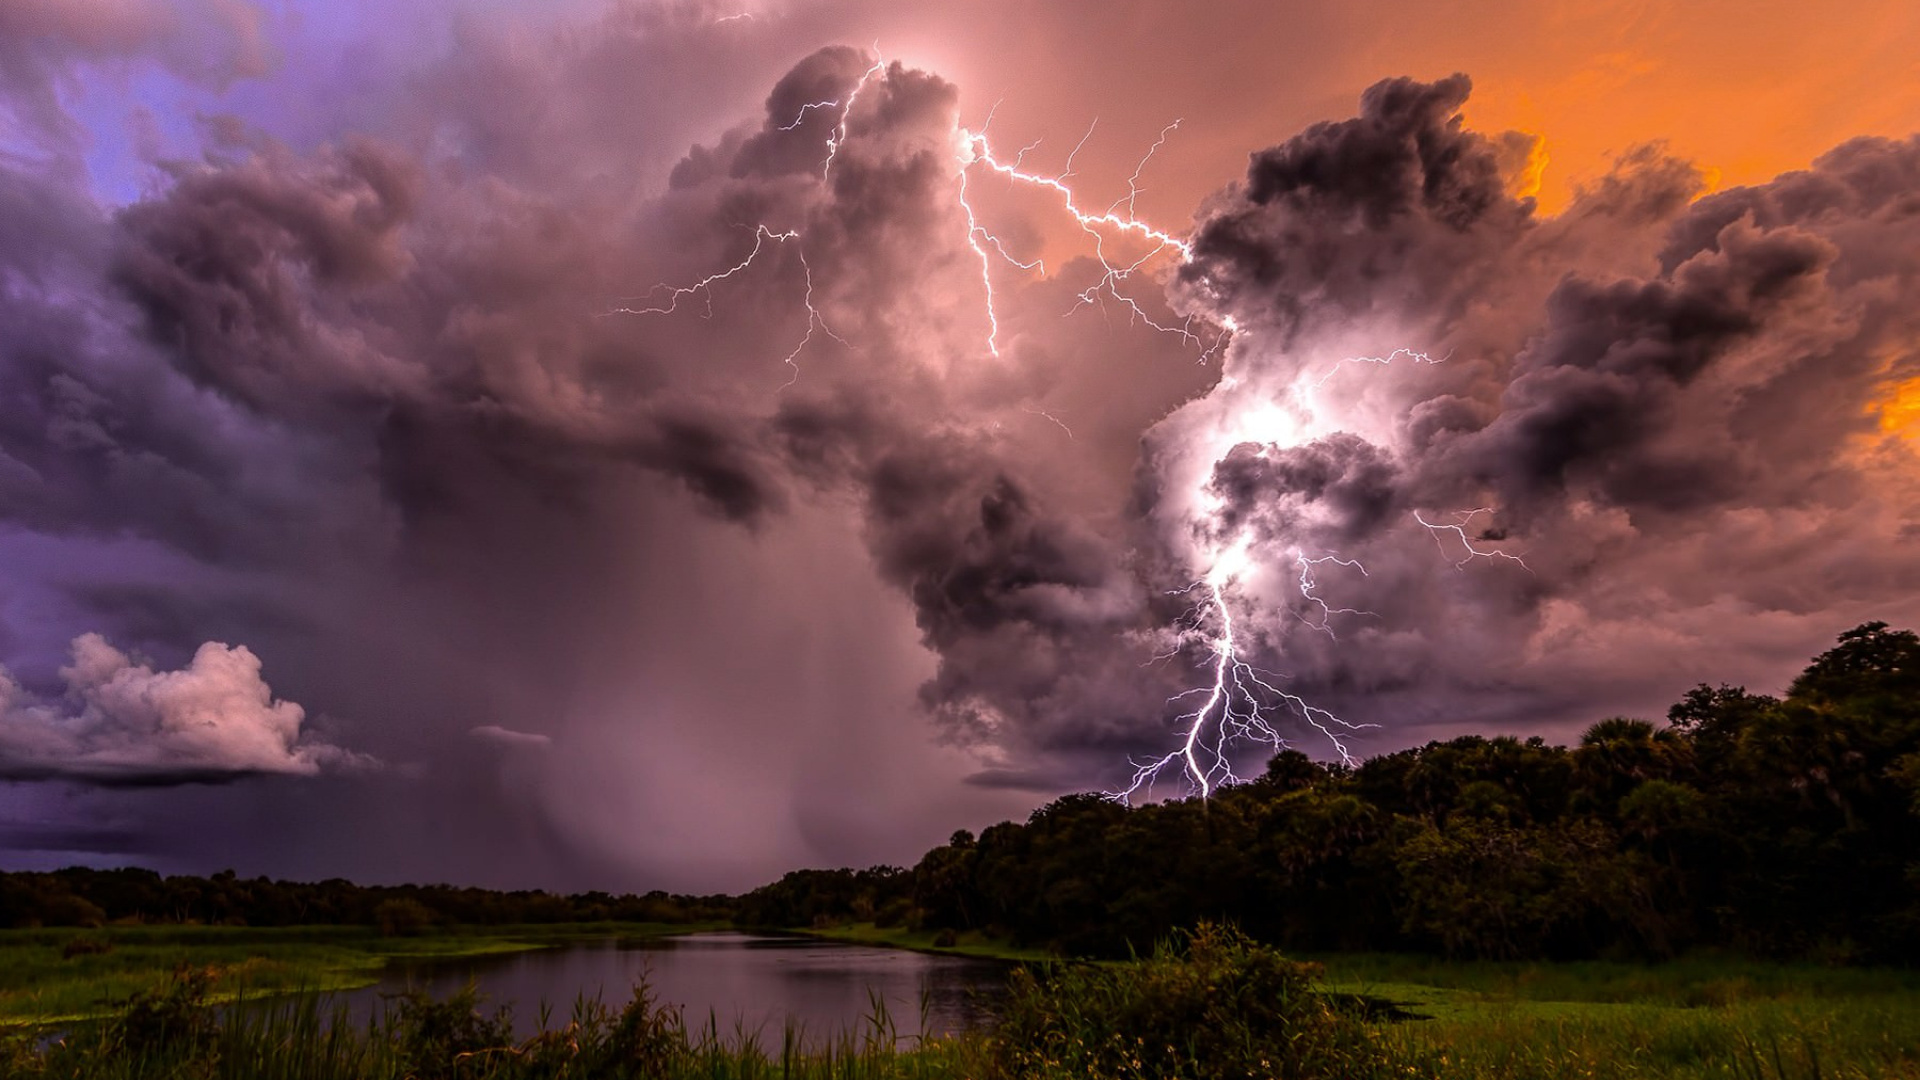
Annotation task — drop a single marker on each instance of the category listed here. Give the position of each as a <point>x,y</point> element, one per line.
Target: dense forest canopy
<point>1778,826</point>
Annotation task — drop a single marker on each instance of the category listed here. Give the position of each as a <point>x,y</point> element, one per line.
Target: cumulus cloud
<point>121,723</point>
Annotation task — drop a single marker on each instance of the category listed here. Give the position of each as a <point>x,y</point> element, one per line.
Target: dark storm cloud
<point>239,267</point>
<point>1672,411</point>
<point>400,411</point>
<point>97,435</point>
<point>1589,401</point>
<point>1025,607</point>
<point>1341,488</point>
<point>1382,213</point>
<point>416,357</point>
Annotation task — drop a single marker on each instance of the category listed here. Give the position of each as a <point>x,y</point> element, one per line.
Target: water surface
<point>740,981</point>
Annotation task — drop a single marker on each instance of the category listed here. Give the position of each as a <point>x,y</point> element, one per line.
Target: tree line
<point>79,896</point>
<point>1779,826</point>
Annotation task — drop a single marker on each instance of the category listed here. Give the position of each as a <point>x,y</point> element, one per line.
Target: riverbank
<point>59,976</point>
<point>970,943</point>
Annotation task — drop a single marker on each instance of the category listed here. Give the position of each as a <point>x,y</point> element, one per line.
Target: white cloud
<point>122,722</point>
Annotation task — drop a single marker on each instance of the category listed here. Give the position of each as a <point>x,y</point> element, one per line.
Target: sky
<point>659,445</point>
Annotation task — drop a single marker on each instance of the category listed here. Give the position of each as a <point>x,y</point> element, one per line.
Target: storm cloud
<point>597,429</point>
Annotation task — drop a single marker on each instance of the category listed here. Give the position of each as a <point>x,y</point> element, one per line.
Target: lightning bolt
<point>1308,583</point>
<point>975,150</point>
<point>1056,421</point>
<point>1238,703</point>
<point>1100,226</point>
<point>1384,361</point>
<point>816,322</point>
<point>1234,701</point>
<point>839,136</point>
<point>704,287</point>
<point>1459,529</point>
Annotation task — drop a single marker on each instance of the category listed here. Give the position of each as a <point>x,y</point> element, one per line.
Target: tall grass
<point>179,1032</point>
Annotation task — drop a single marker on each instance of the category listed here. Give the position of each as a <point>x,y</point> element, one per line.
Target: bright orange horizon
<point>1743,90</point>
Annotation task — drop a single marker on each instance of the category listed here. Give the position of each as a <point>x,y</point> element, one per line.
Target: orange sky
<point>1746,88</point>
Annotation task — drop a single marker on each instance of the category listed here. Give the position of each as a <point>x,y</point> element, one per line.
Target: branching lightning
<point>1100,226</point>
<point>1113,223</point>
<point>1458,528</point>
<point>1235,701</point>
<point>1308,583</point>
<point>1413,355</point>
<point>1239,702</point>
<point>839,136</point>
<point>816,322</point>
<point>704,287</point>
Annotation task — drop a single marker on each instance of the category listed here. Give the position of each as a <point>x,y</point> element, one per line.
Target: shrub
<point>1212,1003</point>
<point>175,1019</point>
<point>439,1040</point>
<point>402,917</point>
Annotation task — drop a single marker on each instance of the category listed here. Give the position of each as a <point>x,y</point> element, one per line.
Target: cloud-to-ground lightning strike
<point>1238,700</point>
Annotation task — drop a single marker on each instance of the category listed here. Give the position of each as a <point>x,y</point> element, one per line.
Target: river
<point>741,982</point>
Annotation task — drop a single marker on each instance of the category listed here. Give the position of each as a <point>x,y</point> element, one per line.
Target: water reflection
<point>739,982</point>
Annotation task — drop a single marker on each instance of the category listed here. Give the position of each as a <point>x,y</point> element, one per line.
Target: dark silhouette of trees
<point>1780,826</point>
<point>84,897</point>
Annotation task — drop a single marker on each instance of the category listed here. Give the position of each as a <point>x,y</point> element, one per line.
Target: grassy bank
<point>55,976</point>
<point>1699,1017</point>
<point>971,943</point>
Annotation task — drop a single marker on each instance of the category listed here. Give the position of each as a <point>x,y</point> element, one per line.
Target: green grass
<point>1698,1017</point>
<point>39,984</point>
<point>970,943</point>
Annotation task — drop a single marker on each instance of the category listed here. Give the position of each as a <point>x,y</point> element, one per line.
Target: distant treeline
<point>1777,826</point>
<point>84,897</point>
